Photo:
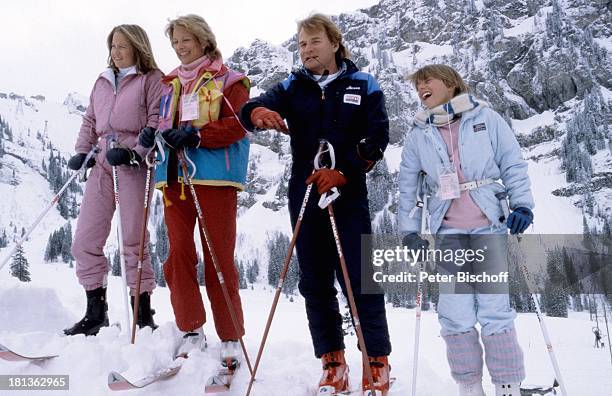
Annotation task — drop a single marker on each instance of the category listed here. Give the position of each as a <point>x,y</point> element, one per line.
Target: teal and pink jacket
<point>222,157</point>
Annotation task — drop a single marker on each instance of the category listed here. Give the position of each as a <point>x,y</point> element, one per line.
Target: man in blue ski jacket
<point>329,98</point>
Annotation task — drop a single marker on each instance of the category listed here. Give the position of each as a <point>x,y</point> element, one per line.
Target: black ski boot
<point>96,315</point>
<point>145,313</point>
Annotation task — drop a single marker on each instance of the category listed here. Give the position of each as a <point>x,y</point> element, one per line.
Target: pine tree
<point>201,274</point>
<point>573,286</point>
<point>555,292</point>
<point>116,265</point>
<point>162,247</point>
<point>242,284</point>
<point>157,268</point>
<point>277,249</point>
<point>19,266</point>
<point>66,243</point>
<point>50,249</point>
<point>3,239</point>
<point>159,276</point>
<point>253,272</point>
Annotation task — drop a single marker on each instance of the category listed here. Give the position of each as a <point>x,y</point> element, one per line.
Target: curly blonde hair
<point>197,26</point>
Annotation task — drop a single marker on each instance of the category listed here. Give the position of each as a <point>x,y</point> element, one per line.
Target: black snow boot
<point>145,313</point>
<point>96,315</point>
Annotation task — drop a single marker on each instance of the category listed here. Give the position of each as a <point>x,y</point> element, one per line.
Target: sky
<point>56,47</point>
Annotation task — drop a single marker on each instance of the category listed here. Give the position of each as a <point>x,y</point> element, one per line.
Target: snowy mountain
<point>543,65</point>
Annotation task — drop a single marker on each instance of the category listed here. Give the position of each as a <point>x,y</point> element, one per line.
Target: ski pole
<point>347,281</point>
<point>207,241</point>
<point>279,287</point>
<point>143,232</point>
<point>351,298</point>
<point>113,144</point>
<point>502,197</point>
<point>603,305</point>
<point>422,202</point>
<point>52,203</point>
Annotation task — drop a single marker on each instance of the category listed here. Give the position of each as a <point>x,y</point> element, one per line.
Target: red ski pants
<point>219,205</point>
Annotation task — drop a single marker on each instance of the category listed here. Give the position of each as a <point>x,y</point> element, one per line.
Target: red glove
<point>265,118</point>
<point>326,179</point>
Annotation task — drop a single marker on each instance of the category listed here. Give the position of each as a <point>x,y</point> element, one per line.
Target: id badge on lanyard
<point>448,181</point>
<point>190,107</point>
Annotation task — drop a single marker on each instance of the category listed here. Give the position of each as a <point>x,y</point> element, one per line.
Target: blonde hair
<point>447,74</point>
<point>197,26</point>
<point>323,22</point>
<point>138,39</point>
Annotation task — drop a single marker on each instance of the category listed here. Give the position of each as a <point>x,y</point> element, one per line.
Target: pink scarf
<point>189,73</point>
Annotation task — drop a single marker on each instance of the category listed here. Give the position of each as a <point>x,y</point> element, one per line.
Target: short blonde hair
<point>447,74</point>
<point>323,22</point>
<point>139,41</point>
<point>197,26</point>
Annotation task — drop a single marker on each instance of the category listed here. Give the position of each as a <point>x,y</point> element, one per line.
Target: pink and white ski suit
<point>119,113</point>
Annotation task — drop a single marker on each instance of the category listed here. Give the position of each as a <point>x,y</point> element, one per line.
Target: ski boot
<point>335,376</point>
<point>230,355</point>
<point>380,374</point>
<point>192,341</point>
<point>145,313</point>
<point>474,389</point>
<point>96,315</point>
<point>511,389</point>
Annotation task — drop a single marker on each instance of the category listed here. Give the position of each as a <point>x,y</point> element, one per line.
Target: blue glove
<point>519,220</point>
<point>415,242</point>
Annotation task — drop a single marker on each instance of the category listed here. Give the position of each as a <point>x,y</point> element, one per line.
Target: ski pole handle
<point>503,201</point>
<point>325,147</point>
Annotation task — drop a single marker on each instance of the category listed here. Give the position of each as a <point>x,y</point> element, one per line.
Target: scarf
<point>447,112</point>
<point>189,73</point>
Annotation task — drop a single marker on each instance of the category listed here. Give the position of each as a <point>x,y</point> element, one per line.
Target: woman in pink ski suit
<point>124,100</point>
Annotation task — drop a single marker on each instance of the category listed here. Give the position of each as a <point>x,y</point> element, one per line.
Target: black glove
<point>184,137</point>
<point>122,156</point>
<point>415,242</point>
<point>76,161</point>
<point>146,137</point>
<point>370,152</point>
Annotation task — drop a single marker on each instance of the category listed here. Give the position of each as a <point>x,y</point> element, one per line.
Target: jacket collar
<point>109,75</point>
<point>347,67</point>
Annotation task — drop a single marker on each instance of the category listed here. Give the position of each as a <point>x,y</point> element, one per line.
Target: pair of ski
<point>218,383</point>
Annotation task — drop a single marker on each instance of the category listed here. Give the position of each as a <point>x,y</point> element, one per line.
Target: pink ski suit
<point>121,113</point>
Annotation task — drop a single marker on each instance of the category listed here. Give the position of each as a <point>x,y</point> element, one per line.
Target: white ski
<point>12,356</point>
<point>117,382</point>
<point>222,380</point>
<point>531,390</point>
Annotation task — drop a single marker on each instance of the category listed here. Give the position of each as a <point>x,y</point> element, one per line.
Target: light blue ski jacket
<point>488,149</point>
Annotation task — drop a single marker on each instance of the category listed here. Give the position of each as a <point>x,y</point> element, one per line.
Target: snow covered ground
<point>33,315</point>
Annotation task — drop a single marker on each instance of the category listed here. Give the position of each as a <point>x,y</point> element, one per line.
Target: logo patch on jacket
<point>352,87</point>
<point>479,127</point>
<point>352,99</point>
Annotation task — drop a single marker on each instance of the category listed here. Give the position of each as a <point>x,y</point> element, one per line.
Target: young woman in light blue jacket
<point>468,154</point>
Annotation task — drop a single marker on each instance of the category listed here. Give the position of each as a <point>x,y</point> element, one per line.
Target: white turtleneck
<point>122,73</point>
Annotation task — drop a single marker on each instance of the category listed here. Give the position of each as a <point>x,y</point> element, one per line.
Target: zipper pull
<point>322,93</point>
